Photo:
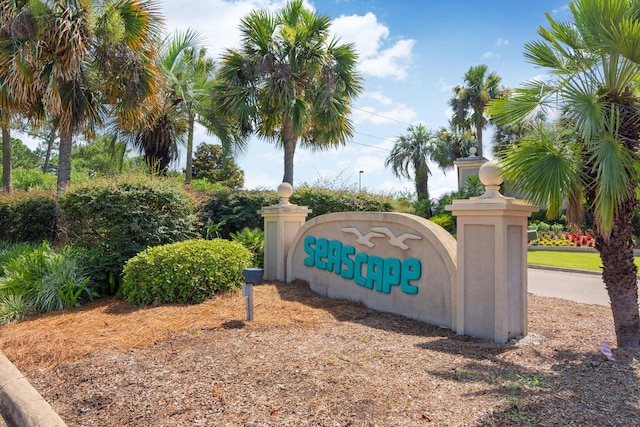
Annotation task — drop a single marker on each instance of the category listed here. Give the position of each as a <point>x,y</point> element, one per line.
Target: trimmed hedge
<point>110,221</point>
<point>323,201</point>
<point>28,217</point>
<point>184,272</point>
<point>229,211</point>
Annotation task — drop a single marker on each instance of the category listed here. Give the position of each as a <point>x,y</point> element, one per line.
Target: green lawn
<point>579,260</point>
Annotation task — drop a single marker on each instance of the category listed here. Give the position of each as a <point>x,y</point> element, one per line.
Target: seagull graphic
<point>363,239</point>
<point>397,241</point>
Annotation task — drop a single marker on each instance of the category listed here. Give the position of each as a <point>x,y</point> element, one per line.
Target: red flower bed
<point>580,239</point>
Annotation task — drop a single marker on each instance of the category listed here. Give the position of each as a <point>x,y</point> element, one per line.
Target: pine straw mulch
<point>311,361</point>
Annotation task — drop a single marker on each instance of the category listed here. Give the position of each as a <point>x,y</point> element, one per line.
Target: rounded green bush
<point>184,272</point>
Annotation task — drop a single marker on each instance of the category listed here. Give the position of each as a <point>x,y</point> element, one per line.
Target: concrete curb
<point>21,404</point>
<point>566,270</point>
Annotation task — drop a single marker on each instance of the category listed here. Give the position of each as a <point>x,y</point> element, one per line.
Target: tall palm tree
<point>182,99</point>
<point>469,100</point>
<point>289,83</point>
<point>73,68</point>
<point>592,154</point>
<point>410,158</point>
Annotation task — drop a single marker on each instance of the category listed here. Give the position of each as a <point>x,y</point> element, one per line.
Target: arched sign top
<point>393,262</point>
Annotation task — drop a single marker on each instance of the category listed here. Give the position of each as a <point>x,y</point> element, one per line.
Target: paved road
<point>580,287</point>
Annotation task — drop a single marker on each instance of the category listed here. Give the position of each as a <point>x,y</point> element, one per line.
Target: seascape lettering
<point>370,271</point>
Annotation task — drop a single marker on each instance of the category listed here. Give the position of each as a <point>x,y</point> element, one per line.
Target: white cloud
<point>541,78</point>
<point>368,36</point>
<point>562,9</point>
<point>377,108</point>
<point>261,181</point>
<point>488,55</point>
<point>217,20</point>
<point>502,42</point>
<point>397,113</point>
<point>378,96</point>
<point>365,32</point>
<point>443,87</point>
<point>368,164</point>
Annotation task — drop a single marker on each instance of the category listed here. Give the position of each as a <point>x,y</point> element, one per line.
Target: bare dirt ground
<point>310,361</point>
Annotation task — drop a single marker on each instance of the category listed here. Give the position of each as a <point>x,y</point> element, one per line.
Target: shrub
<point>184,272</point>
<point>43,279</point>
<point>323,201</point>
<point>229,211</point>
<point>445,221</point>
<point>11,250</point>
<point>111,221</point>
<point>253,240</point>
<point>31,179</point>
<point>204,186</point>
<point>13,308</point>
<point>29,217</point>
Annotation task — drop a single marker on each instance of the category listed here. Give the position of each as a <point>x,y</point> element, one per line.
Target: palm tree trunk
<point>422,191</point>
<point>64,158</point>
<point>7,185</point>
<point>50,139</point>
<point>187,172</point>
<point>289,143</point>
<point>619,275</point>
<point>479,136</point>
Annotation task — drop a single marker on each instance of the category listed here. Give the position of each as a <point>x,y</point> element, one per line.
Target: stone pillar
<point>492,261</point>
<point>468,166</point>
<point>281,224</point>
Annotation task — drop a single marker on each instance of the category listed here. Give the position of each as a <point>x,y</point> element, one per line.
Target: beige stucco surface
<point>424,240</point>
<point>492,267</point>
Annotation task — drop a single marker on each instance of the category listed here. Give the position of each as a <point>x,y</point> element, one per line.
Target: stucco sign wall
<point>398,263</point>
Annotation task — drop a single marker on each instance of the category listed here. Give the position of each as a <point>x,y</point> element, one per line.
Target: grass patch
<point>577,260</point>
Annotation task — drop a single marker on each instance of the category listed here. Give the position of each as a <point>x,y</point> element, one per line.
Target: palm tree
<point>591,154</point>
<point>190,75</point>
<point>469,100</point>
<point>410,158</point>
<point>183,98</point>
<point>73,68</point>
<point>453,143</point>
<point>289,83</point>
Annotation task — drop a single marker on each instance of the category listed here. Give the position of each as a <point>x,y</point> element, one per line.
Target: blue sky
<point>412,52</point>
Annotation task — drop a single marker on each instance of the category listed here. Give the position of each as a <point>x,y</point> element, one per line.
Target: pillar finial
<point>490,175</point>
<point>285,190</point>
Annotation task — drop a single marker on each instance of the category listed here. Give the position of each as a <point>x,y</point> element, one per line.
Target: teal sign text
<point>370,271</point>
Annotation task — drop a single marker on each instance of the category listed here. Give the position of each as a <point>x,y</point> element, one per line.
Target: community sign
<point>391,262</point>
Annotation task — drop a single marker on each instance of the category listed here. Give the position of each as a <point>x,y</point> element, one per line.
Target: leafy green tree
<point>591,153</point>
<point>73,58</point>
<point>102,155</point>
<point>289,83</point>
<point>410,158</point>
<point>22,156</point>
<point>48,143</point>
<point>470,99</point>
<point>213,164</point>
